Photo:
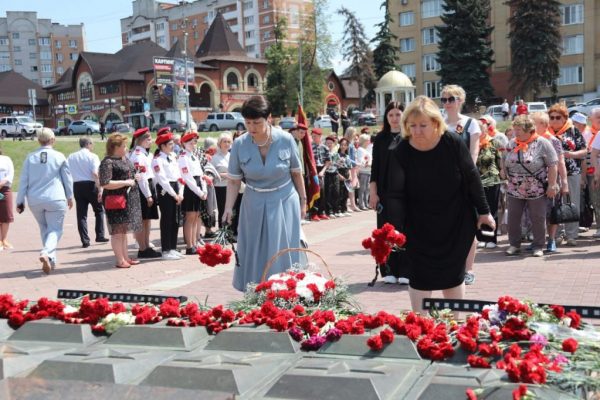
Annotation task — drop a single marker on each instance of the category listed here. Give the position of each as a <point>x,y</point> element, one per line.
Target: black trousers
<point>170,215</point>
<point>332,193</point>
<point>86,194</point>
<point>492,195</point>
<point>391,213</point>
<point>343,191</point>
<point>319,205</point>
<point>221,194</point>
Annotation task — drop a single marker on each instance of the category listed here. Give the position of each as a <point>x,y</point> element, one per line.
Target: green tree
<point>465,54</point>
<point>356,51</point>
<point>278,58</point>
<point>385,53</point>
<point>535,45</point>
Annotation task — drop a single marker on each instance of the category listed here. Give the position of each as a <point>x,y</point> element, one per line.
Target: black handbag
<point>564,212</point>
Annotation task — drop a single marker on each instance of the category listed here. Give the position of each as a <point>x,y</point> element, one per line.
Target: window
<point>410,70</point>
<point>16,49</point>
<point>433,89</point>
<point>266,35</point>
<point>85,91</point>
<point>431,8</point>
<point>108,89</point>
<point>194,22</point>
<point>73,43</point>
<point>32,56</point>
<point>250,49</point>
<point>571,14</point>
<point>46,81</point>
<point>73,56</point>
<point>266,19</point>
<point>294,16</point>
<point>174,39</point>
<point>3,41</point>
<point>59,57</point>
<point>4,67</point>
<point>18,62</point>
<point>430,36</point>
<point>196,35</point>
<point>15,35</point>
<point>220,116</point>
<point>407,45</point>
<point>33,68</point>
<point>57,44</point>
<point>247,5</point>
<point>252,81</point>
<point>160,40</point>
<point>45,55</point>
<point>232,80</point>
<point>46,67</point>
<point>249,20</point>
<point>572,45</point>
<point>266,4</point>
<point>570,75</point>
<point>406,18</point>
<point>160,26</point>
<point>4,55</point>
<point>174,26</point>
<point>430,63</point>
<point>249,34</point>
<point>60,70</point>
<point>44,41</point>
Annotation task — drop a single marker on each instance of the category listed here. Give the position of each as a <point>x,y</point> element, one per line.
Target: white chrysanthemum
<point>305,293</point>
<point>112,321</point>
<point>70,309</point>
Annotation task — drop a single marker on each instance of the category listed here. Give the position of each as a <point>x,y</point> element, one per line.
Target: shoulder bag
<point>563,212</point>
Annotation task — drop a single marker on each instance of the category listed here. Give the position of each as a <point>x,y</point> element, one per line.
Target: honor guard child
<point>195,189</point>
<point>142,162</point>
<point>170,193</point>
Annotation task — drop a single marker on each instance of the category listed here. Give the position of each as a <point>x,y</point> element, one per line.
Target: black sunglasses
<point>556,118</point>
<point>450,99</point>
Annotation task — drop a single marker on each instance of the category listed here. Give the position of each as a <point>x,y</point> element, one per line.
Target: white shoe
<point>597,234</point>
<point>339,215</point>
<point>538,253</point>
<point>177,253</point>
<point>403,281</point>
<point>390,279</point>
<point>512,250</point>
<point>167,255</point>
<point>480,245</point>
<point>347,214</point>
<point>304,222</point>
<point>490,245</point>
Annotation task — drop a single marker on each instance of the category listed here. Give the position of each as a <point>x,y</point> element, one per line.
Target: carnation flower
<point>538,338</point>
<point>570,345</point>
<point>296,333</point>
<point>333,335</point>
<point>375,343</point>
<point>315,342</point>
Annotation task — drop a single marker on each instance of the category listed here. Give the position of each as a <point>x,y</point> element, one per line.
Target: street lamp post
<point>110,103</point>
<point>184,3</point>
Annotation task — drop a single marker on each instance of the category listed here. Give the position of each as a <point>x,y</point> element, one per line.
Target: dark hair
<point>391,105</point>
<point>256,107</point>
<point>159,148</point>
<point>340,151</point>
<point>136,141</point>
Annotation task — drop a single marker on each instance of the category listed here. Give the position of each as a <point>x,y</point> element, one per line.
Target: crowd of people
<point>451,182</point>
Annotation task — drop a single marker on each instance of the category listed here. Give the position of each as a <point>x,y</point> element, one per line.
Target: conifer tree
<point>385,53</point>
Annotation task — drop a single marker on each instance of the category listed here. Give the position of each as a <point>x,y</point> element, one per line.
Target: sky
<point>101,19</point>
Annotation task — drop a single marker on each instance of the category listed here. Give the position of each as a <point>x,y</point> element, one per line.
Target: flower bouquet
<point>382,243</point>
<point>216,252</point>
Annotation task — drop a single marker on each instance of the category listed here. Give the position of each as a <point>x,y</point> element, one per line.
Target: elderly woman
<point>531,169</point>
<point>541,121</point>
<point>7,174</point>
<point>47,184</point>
<point>221,162</point>
<point>445,202</point>
<point>274,201</point>
<point>574,151</point>
<point>121,197</point>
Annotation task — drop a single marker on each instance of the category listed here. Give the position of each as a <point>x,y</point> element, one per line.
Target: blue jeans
<point>50,218</point>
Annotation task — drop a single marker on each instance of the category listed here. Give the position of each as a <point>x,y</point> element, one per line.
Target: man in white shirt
<point>84,166</point>
<point>505,110</point>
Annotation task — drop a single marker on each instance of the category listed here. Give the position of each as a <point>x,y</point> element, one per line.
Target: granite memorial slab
<point>356,345</point>
<point>159,336</point>
<point>253,340</point>
<point>18,359</point>
<point>48,330</point>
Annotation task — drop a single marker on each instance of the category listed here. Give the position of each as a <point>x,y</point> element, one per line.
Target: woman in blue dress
<point>274,201</point>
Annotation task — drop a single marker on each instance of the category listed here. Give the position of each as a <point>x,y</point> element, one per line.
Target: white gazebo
<point>397,86</point>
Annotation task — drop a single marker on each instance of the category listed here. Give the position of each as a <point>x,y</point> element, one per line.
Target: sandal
<point>132,261</point>
<point>126,265</point>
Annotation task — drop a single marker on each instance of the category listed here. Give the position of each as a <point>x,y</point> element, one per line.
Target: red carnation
<point>478,362</point>
<point>387,336</point>
<point>570,345</point>
<point>519,392</point>
<point>558,311</point>
<point>471,394</point>
<point>375,343</point>
<point>575,319</point>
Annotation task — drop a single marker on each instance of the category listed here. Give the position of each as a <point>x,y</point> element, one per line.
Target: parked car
<point>174,126</point>
<point>86,126</point>
<point>222,121</point>
<point>363,118</point>
<point>19,126</point>
<point>287,123</point>
<point>584,108</point>
<point>495,112</point>
<point>322,121</point>
<point>60,131</point>
<point>535,106</point>
<point>117,126</point>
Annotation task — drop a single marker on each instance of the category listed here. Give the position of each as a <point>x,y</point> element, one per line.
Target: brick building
<point>14,99</point>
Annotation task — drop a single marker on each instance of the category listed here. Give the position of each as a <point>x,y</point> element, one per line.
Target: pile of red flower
<point>292,287</point>
<point>212,254</point>
<point>383,241</point>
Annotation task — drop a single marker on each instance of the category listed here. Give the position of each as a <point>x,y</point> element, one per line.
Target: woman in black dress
<point>440,179</point>
<point>381,173</point>
<point>118,177</point>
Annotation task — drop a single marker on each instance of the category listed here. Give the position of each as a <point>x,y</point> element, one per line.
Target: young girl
<point>364,158</point>
<point>344,166</point>
<point>332,194</point>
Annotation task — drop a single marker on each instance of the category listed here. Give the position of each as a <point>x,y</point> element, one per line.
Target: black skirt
<point>149,212</point>
<point>191,201</point>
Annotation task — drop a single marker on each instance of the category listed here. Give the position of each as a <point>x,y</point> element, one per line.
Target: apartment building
<point>415,22</point>
<point>39,49</point>
<point>252,21</point>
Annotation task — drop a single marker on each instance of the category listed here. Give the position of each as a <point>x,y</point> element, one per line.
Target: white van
<point>536,106</point>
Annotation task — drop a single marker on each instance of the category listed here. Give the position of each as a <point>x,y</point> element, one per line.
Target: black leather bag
<point>564,211</point>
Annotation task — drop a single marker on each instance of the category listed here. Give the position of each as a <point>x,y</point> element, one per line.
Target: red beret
<point>364,130</point>
<point>302,126</point>
<point>140,132</point>
<point>331,137</point>
<point>317,131</point>
<point>189,136</point>
<point>164,138</point>
<point>163,131</point>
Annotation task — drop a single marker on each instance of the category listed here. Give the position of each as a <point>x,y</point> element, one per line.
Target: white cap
<point>579,118</point>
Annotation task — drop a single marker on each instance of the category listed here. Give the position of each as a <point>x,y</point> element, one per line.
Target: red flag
<point>313,189</point>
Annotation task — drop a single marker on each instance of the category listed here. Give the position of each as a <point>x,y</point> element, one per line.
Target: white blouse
<point>7,170</point>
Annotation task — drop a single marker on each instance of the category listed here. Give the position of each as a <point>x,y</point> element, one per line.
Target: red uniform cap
<point>317,131</point>
<point>140,132</point>
<point>164,138</point>
<point>188,136</point>
<point>364,130</point>
<point>163,131</point>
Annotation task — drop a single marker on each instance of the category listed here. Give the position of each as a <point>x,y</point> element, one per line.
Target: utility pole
<point>187,93</point>
<point>300,70</point>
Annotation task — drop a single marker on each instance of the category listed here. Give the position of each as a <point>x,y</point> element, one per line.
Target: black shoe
<point>85,245</point>
<point>149,253</point>
<point>190,251</point>
<point>102,240</point>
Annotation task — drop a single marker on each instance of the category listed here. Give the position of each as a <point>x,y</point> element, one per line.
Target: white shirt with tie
<point>189,166</point>
<point>143,165</point>
<point>84,165</point>
<point>166,171</point>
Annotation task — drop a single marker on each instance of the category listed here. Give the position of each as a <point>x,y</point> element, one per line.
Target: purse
<point>115,202</point>
<point>564,212</point>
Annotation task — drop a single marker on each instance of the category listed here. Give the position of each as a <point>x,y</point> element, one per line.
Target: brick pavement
<point>570,277</point>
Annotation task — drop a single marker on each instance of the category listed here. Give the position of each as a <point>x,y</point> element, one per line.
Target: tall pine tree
<point>356,51</point>
<point>535,45</point>
<point>278,61</point>
<point>465,54</point>
<point>385,53</point>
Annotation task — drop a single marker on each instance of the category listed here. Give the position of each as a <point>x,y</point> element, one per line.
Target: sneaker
<point>583,229</point>
<point>403,281</point>
<point>390,279</point>
<point>490,245</point>
<point>512,250</point>
<point>177,253</point>
<point>571,242</point>
<point>315,218</point>
<point>597,234</point>
<point>347,214</point>
<point>331,216</point>
<point>102,240</point>
<point>209,235</point>
<point>538,253</point>
<point>469,278</point>
<point>167,255</point>
<point>149,253</point>
<point>480,245</point>
<point>323,216</point>
<point>190,251</point>
<point>338,215</point>
<point>551,246</point>
<point>304,222</point>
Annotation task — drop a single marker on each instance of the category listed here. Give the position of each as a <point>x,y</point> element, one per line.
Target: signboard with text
<point>163,70</point>
<point>179,71</point>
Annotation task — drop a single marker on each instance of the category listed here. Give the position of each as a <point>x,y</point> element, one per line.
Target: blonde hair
<point>456,91</point>
<point>524,122</point>
<point>350,132</point>
<point>364,138</point>
<point>423,106</point>
<point>45,136</point>
<point>540,116</point>
<point>223,136</point>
